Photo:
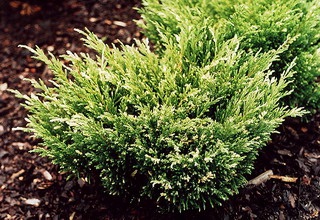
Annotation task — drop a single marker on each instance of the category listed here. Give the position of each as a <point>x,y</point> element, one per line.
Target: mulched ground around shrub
<point>32,188</point>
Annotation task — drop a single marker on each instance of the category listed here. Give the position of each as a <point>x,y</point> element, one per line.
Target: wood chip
<point>15,4</point>
<point>315,214</point>
<point>3,87</point>
<point>285,152</point>
<point>312,155</point>
<point>292,200</point>
<point>19,145</point>
<point>93,19</point>
<point>3,153</point>
<point>120,23</point>
<point>12,201</point>
<point>276,161</point>
<point>46,175</point>
<point>281,216</point>
<point>261,178</point>
<point>81,182</point>
<point>17,174</point>
<point>72,216</point>
<point>2,130</point>
<point>306,180</point>
<point>34,202</point>
<point>284,178</point>
<point>108,22</point>
<point>293,132</point>
<point>50,48</point>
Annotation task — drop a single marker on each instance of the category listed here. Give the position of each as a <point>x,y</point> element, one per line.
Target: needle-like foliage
<point>182,130</point>
<point>262,25</point>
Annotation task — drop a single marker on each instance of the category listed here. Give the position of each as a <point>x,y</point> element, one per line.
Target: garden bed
<point>32,188</point>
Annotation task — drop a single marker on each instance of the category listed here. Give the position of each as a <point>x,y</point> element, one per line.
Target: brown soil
<point>32,188</point>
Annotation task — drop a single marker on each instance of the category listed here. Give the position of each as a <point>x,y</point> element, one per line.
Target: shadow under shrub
<point>262,25</point>
<point>160,127</point>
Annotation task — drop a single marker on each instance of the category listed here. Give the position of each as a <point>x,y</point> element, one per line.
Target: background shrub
<point>261,25</point>
<point>163,127</point>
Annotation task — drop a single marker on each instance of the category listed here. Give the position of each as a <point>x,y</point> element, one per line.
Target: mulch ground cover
<point>32,188</point>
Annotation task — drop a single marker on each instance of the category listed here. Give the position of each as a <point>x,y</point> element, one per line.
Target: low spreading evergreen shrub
<point>169,128</point>
<point>262,25</point>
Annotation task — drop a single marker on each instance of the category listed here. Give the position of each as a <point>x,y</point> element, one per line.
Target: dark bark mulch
<point>32,188</point>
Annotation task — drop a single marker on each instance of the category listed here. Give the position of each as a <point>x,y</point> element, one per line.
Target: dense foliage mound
<point>262,25</point>
<point>166,127</point>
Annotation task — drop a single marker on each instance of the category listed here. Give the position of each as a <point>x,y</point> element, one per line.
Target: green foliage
<point>262,25</point>
<point>182,130</point>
